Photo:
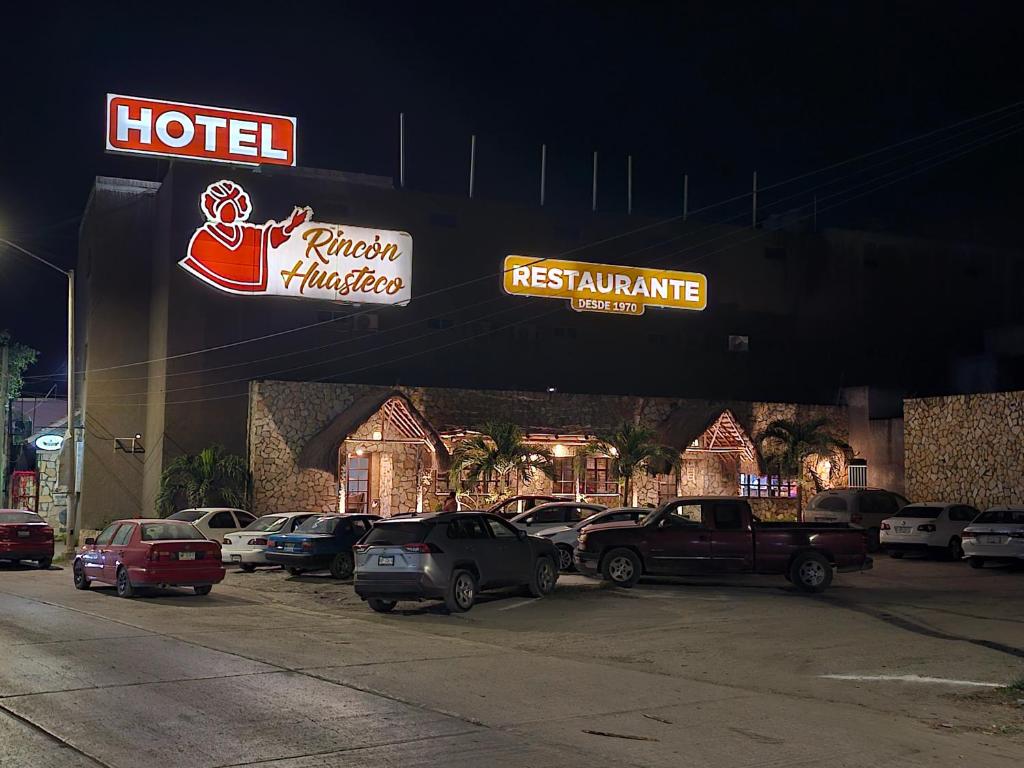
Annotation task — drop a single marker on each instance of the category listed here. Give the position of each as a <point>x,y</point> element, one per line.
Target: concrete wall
<point>966,448</point>
<point>876,432</point>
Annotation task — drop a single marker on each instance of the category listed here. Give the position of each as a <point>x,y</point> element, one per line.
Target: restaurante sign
<point>297,257</point>
<point>140,126</point>
<point>604,287</point>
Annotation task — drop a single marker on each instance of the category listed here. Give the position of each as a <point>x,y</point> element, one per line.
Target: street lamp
<point>72,521</point>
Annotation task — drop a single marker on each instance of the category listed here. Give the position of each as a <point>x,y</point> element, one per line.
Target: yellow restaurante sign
<point>604,287</point>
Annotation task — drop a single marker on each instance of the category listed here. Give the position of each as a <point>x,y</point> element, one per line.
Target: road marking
<point>912,679</point>
<point>517,605</point>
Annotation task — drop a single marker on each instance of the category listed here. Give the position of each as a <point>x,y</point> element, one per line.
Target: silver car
<point>449,556</point>
<point>996,535</point>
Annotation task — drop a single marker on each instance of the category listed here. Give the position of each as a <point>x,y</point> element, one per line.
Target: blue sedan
<point>324,541</point>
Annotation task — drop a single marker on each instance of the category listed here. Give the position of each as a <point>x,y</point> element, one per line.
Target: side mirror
<point>90,542</point>
<point>521,534</point>
<point>664,522</point>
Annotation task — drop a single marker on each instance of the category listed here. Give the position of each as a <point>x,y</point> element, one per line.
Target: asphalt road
<point>286,672</point>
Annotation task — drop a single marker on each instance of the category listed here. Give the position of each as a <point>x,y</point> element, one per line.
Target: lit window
<point>767,486</point>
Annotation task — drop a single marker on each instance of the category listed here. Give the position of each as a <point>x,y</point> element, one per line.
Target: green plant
<point>632,449</point>
<point>211,477</point>
<point>19,357</point>
<point>787,445</point>
<point>500,453</point>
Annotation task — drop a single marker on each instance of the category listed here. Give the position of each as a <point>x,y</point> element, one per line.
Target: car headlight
<point>582,542</point>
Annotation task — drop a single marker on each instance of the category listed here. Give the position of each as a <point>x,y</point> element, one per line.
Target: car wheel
<point>956,549</point>
<point>542,581</point>
<point>976,562</point>
<point>461,591</point>
<point>294,571</point>
<point>45,563</point>
<point>342,565</point>
<point>874,541</point>
<point>246,567</point>
<point>895,554</point>
<point>565,557</point>
<point>124,584</point>
<point>382,606</point>
<point>203,589</point>
<point>811,572</point>
<point>81,580</point>
<point>622,567</point>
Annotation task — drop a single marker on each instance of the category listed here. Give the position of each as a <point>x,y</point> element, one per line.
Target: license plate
<point>186,555</point>
<point>385,559</point>
<point>902,529</point>
<point>236,558</point>
<point>23,534</point>
<point>991,539</point>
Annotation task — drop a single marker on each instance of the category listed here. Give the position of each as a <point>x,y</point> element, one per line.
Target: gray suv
<point>449,556</point>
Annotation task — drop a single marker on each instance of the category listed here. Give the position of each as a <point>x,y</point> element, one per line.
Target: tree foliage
<point>19,358</point>
<point>787,445</point>
<point>631,449</point>
<point>209,478</point>
<point>499,452</point>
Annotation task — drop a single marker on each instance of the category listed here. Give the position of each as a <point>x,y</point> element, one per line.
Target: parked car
<point>719,535</point>
<point>214,522</point>
<point>996,535</point>
<point>516,505</point>
<point>933,526</point>
<point>866,507</point>
<point>25,536</point>
<point>565,537</point>
<point>132,554</point>
<point>247,548</point>
<point>323,541</point>
<point>554,515</point>
<point>450,556</point>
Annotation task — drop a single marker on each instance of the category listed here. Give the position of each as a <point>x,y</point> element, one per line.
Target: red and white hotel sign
<point>170,129</point>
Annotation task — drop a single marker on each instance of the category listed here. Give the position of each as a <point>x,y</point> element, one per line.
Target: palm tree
<point>500,452</point>
<point>212,477</point>
<point>787,445</point>
<point>632,448</point>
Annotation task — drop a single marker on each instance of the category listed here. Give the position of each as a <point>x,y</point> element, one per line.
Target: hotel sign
<point>296,256</point>
<point>140,126</point>
<point>604,287</point>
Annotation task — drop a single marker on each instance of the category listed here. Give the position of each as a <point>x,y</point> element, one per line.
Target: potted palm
<point>500,452</point>
<point>632,449</point>
<point>212,477</point>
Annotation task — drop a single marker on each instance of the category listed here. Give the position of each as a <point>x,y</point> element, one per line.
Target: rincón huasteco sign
<point>297,256</point>
<point>604,287</point>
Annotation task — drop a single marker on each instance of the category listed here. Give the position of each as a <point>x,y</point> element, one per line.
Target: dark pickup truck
<point>719,535</point>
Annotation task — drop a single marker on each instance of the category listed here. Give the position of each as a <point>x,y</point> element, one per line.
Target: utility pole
<point>472,163</point>
<point>71,542</point>
<point>5,386</point>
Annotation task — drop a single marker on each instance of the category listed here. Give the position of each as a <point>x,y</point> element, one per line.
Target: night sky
<point>712,89</point>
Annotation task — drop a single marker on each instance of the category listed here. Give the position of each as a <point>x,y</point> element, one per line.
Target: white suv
<point>866,507</point>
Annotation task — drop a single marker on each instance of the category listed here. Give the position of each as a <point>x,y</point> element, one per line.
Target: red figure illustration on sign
<point>228,253</point>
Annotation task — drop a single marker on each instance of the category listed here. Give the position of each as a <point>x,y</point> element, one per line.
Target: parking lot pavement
<point>295,672</point>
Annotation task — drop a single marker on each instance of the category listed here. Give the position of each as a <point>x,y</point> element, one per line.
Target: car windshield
<point>267,524</point>
<point>396,533</point>
<point>168,531</point>
<point>20,517</point>
<point>319,525</point>
<point>916,511</point>
<point>188,515</point>
<point>1004,516</point>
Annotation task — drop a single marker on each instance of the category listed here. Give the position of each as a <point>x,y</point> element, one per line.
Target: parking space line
<point>912,679</point>
<point>517,605</point>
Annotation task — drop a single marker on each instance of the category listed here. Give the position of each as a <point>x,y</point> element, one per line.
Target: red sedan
<point>131,554</point>
<point>25,536</point>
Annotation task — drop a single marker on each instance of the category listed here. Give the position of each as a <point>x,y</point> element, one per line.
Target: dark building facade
<point>792,316</point>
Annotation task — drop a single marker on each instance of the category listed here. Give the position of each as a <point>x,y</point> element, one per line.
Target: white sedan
<point>247,548</point>
<point>996,535</point>
<point>214,522</point>
<point>566,537</point>
<point>934,526</point>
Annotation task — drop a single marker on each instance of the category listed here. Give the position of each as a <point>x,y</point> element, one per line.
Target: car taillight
<point>254,542</point>
<point>47,532</point>
<point>226,541</point>
<point>307,545</point>
<point>581,543</point>
<point>927,527</point>
<point>885,526</point>
<point>856,518</point>
<point>158,554</point>
<point>421,548</point>
<point>967,534</point>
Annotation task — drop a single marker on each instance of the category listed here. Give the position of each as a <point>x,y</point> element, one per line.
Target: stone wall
<point>965,448</point>
<point>283,416</point>
<point>52,500</point>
